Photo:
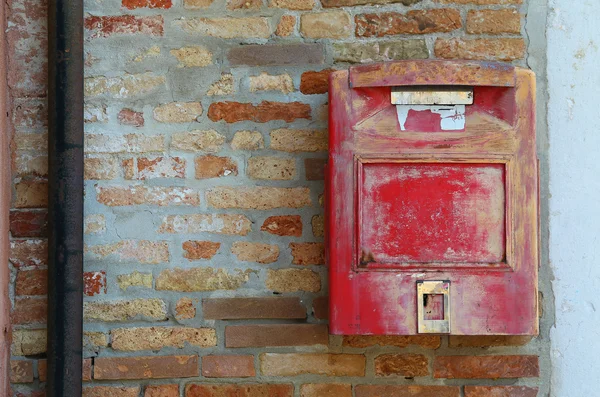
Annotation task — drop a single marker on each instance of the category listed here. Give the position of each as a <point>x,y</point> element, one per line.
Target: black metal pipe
<point>65,197</point>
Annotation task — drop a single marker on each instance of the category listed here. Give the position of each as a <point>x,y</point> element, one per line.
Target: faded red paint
<point>94,283</point>
<point>426,204</point>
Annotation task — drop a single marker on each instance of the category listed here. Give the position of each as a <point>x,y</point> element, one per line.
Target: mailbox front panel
<point>432,209</point>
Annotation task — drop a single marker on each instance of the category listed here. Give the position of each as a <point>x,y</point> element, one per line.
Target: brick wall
<point>206,136</point>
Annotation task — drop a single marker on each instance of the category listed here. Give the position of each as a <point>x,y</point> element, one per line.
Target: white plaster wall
<point>574,134</point>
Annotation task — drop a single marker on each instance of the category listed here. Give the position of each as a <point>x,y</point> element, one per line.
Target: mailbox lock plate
<point>433,288</point>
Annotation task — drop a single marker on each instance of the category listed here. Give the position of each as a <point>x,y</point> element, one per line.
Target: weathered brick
<point>313,82</point>
<point>135,279</point>
<point>286,25</point>
<point>21,371</point>
<point>502,49</point>
<point>299,5</point>
<point>125,310</point>
<point>200,249</point>
<point>407,365</point>
<point>326,390</point>
<point>142,251</point>
<point>198,141</point>
<point>267,82</point>
<point>321,307</point>
<point>239,390</point>
<point>133,4</point>
<point>308,253</point>
<point>500,391</point>
<point>271,168</point>
<point>95,114</point>
<point>28,253</point>
<point>130,117</point>
<point>228,366</point>
<point>402,341</point>
<point>127,86</point>
<point>292,364</point>
<point>247,140</point>
<point>350,3</point>
<point>318,225</point>
<point>30,114</point>
<point>261,335</point>
<point>184,309</point>
<point>162,391</point>
<point>27,223</point>
<point>357,52</point>
<point>193,57</point>
<point>292,280</point>
<point>94,340</point>
<point>438,20</point>
<point>104,26</point>
<point>210,223</point>
<point>86,370</point>
<point>94,283</point>
<point>283,225</point>
<point>233,112</point>
<point>326,25</point>
<point>214,167</point>
<point>130,143</point>
<point>154,367</point>
<point>486,367</point>
<point>27,164</point>
<point>223,86</point>
<point>100,167</point>
<point>31,194</point>
<point>32,142</point>
<point>196,4</point>
<point>260,197</point>
<point>481,2</point>
<point>145,53</point>
<point>111,391</point>
<point>155,338</point>
<point>488,340</point>
<point>118,196</point>
<point>156,167</point>
<point>94,224</point>
<point>244,4</point>
<point>31,282</point>
<point>290,140</point>
<point>506,20</point>
<point>178,112</point>
<point>402,390</point>
<point>200,279</point>
<point>253,308</point>
<point>276,54</point>
<point>255,252</point>
<point>228,28</point>
<point>28,342</point>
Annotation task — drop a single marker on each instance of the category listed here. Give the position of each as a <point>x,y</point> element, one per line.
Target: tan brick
<point>326,25</point>
<point>146,53</point>
<point>500,391</point>
<point>350,3</point>
<point>193,57</point>
<point>94,340</point>
<point>178,112</point>
<point>273,335</point>
<point>326,390</point>
<point>130,143</point>
<point>223,86</point>
<point>135,279</point>
<point>210,223</point>
<point>31,282</point>
<point>271,168</point>
<point>99,168</point>
<point>31,194</point>
<point>94,224</point>
<point>196,4</point>
<point>201,279</point>
<point>117,196</point>
<point>154,367</point>
<point>292,280</point>
<point>292,364</point>
<point>407,365</point>
<point>308,253</point>
<point>486,367</point>
<point>276,54</point>
<point>402,341</point>
<point>413,22</point>
<point>142,251</point>
<point>228,366</point>
<point>283,225</point>
<point>320,307</point>
<point>28,164</point>
<point>259,198</point>
<point>28,342</point>
<point>29,311</point>
<point>21,371</point>
<point>480,2</point>
<point>184,309</point>
<point>228,28</point>
<point>488,340</point>
<point>157,167</point>
<point>127,86</point>
<point>244,4</point>
<point>130,117</point>
<point>28,252</point>
<point>506,20</point>
<point>214,167</point>
<point>286,26</point>
<point>125,310</point>
<point>233,112</point>
<point>247,140</point>
<point>253,308</point>
<point>402,390</point>
<point>318,225</point>
<point>293,4</point>
<point>255,252</point>
<point>361,52</point>
<point>504,49</point>
<point>267,82</point>
<point>155,338</point>
<point>289,140</point>
<point>111,391</point>
<point>198,141</point>
<point>200,249</point>
<point>162,391</point>
<point>33,142</point>
<point>239,389</point>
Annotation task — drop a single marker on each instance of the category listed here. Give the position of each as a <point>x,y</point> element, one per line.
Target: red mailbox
<point>432,199</point>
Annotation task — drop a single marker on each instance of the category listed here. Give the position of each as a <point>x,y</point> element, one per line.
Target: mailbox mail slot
<point>432,199</point>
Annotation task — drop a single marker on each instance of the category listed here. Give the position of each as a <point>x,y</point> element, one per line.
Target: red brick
<point>321,307</point>
<point>261,335</point>
<point>500,391</point>
<point>413,22</point>
<point>406,391</point>
<point>21,371</point>
<point>407,365</point>
<point>315,82</point>
<point>283,225</point>
<point>253,308</point>
<point>486,367</point>
<point>30,311</point>
<point>154,367</point>
<point>162,391</point>
<point>25,223</point>
<point>111,391</point>
<point>232,112</point>
<point>215,167</point>
<point>228,366</point>
<point>292,364</point>
<point>28,252</point>
<point>200,249</point>
<point>133,4</point>
<point>326,390</point>
<point>315,169</point>
<point>488,340</point>
<point>239,390</point>
<point>104,26</point>
<point>32,282</point>
<point>131,117</point>
<point>86,371</point>
<point>94,283</point>
<point>362,341</point>
<point>507,20</point>
<point>308,253</point>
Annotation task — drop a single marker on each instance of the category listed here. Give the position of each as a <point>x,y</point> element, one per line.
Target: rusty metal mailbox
<point>432,199</point>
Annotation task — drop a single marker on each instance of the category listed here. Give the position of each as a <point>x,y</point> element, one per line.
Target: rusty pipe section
<point>65,197</point>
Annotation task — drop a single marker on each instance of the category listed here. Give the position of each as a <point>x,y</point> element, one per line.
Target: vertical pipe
<point>65,179</point>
